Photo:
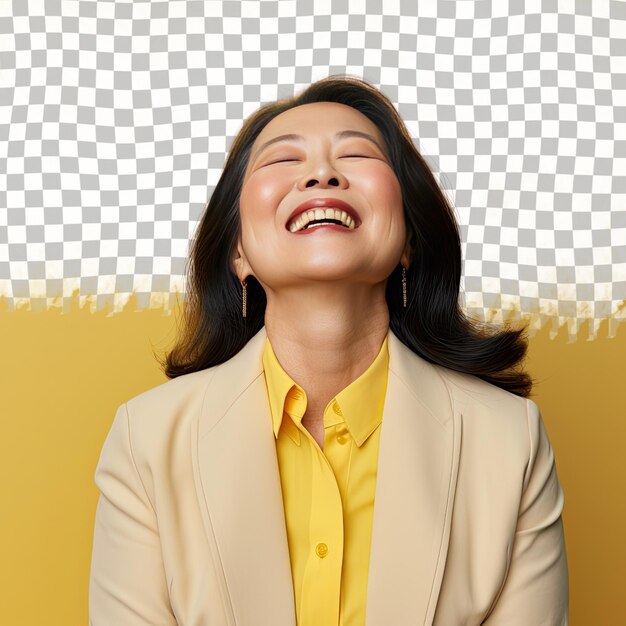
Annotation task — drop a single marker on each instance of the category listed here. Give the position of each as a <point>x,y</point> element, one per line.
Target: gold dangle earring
<point>243,284</point>
<point>404,285</point>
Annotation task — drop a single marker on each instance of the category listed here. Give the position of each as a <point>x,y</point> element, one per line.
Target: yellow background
<point>62,376</point>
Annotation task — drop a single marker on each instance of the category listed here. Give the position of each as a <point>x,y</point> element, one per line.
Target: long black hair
<point>432,325</point>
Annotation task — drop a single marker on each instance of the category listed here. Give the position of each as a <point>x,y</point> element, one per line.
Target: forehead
<point>317,118</point>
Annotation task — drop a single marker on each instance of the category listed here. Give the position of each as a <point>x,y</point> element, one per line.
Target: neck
<point>325,337</point>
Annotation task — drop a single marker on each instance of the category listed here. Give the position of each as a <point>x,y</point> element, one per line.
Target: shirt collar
<point>360,404</point>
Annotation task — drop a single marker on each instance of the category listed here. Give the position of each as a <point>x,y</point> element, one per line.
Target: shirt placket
<point>339,446</point>
<point>322,577</point>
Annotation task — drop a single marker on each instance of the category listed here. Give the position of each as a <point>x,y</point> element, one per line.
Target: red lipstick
<point>335,203</point>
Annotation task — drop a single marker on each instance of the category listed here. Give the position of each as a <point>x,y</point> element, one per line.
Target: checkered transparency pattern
<point>116,119</point>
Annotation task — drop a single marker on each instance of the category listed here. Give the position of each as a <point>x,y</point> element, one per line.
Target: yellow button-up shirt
<point>328,494</point>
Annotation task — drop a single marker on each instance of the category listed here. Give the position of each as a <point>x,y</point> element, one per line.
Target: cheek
<point>259,196</point>
<point>384,193</point>
<point>385,196</point>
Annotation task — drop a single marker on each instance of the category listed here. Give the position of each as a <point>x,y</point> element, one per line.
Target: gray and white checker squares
<point>116,118</point>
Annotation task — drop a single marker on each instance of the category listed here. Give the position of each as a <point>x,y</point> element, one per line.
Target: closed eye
<point>345,156</point>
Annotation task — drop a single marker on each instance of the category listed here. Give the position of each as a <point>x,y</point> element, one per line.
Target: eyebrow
<point>342,134</point>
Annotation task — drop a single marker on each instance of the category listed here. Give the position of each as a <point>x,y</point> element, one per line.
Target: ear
<point>239,262</point>
<point>407,254</point>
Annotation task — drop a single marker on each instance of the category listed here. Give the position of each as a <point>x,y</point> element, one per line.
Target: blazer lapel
<point>239,482</point>
<point>418,463</point>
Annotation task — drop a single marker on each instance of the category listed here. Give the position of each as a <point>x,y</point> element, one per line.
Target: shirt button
<point>321,550</point>
<point>342,439</point>
<point>336,408</point>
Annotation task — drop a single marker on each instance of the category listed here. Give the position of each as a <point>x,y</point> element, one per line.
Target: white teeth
<point>320,214</point>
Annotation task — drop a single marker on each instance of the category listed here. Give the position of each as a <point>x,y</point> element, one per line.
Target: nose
<point>323,175</point>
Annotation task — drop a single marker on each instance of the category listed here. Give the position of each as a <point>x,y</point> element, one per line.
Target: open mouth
<point>314,218</point>
<point>315,223</point>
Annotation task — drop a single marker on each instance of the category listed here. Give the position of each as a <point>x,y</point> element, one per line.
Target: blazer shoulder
<point>495,418</point>
<point>159,411</point>
<point>492,413</point>
<point>470,392</point>
<point>172,392</point>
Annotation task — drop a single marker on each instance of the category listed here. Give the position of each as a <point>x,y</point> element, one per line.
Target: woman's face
<point>320,164</point>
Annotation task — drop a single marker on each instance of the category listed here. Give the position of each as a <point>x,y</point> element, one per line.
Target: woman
<point>338,443</point>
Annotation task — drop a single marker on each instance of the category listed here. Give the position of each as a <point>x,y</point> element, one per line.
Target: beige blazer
<point>190,528</point>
